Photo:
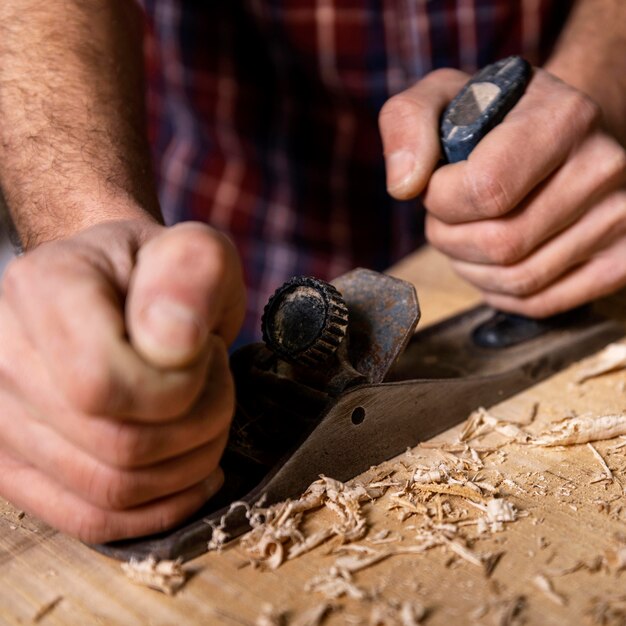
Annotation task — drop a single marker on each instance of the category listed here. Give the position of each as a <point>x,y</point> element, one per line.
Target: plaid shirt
<point>263,118</point>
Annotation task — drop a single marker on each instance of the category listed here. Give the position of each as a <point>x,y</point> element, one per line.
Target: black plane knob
<point>305,321</point>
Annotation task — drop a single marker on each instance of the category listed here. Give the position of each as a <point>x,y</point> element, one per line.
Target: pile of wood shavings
<point>165,576</point>
<point>277,534</point>
<point>440,500</point>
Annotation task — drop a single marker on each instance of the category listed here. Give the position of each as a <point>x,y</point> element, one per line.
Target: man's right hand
<point>115,392</point>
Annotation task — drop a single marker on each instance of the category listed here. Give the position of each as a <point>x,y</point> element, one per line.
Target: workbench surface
<point>549,566</point>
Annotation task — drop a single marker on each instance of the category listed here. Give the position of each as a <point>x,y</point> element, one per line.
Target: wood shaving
<point>511,612</point>
<point>611,359</point>
<point>453,490</point>
<point>165,576</point>
<point>607,473</point>
<point>481,423</point>
<point>46,609</point>
<point>576,430</point>
<point>498,511</point>
<point>545,585</point>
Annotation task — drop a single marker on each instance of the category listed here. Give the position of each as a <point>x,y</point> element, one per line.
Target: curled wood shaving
<point>611,359</point>
<point>576,430</point>
<point>165,576</point>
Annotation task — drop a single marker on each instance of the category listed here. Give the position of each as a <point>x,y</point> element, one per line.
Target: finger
<point>597,167</point>
<point>409,127</point>
<point>602,275</point>
<point>594,231</point>
<point>130,445</point>
<point>187,284</point>
<point>70,314</point>
<point>32,491</point>
<point>512,159</point>
<point>93,481</point>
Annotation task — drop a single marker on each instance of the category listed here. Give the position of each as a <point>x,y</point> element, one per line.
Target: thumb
<point>186,285</point>
<point>409,128</point>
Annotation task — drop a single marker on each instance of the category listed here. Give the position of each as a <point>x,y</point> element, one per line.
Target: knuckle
<point>398,109</point>
<point>199,246</point>
<point>485,193</point>
<point>501,245</point>
<point>91,526</point>
<point>130,445</point>
<point>110,489</point>
<point>521,282</point>
<point>90,389</point>
<point>580,110</point>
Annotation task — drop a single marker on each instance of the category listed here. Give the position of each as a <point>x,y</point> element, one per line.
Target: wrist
<point>590,55</point>
<point>79,214</point>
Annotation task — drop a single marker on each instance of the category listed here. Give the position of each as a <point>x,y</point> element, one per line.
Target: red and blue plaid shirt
<point>263,118</point>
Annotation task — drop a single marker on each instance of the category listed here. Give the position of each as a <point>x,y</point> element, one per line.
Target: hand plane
<point>342,383</point>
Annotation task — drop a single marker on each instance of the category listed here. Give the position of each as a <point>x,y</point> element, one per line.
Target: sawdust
<point>165,576</point>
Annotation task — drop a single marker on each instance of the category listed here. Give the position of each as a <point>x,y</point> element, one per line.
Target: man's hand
<point>115,390</point>
<point>536,217</point>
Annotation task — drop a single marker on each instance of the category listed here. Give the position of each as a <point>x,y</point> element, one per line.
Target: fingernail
<point>214,482</point>
<point>400,169</point>
<point>175,330</point>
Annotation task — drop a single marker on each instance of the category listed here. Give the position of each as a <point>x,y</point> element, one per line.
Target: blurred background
<point>6,251</point>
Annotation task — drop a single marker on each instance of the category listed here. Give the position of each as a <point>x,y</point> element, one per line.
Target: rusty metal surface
<point>383,313</point>
<point>295,433</point>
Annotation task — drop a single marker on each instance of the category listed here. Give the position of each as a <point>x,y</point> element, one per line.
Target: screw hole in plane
<point>358,415</point>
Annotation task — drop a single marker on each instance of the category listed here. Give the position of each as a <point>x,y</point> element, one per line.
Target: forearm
<point>73,150</point>
<point>591,55</point>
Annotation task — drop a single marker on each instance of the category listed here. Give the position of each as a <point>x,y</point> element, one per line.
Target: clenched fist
<point>114,383</point>
<point>536,217</point>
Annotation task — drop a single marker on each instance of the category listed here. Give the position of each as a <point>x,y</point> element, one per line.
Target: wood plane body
<point>286,433</point>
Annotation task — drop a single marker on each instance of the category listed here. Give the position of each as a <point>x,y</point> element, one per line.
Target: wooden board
<point>566,521</point>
